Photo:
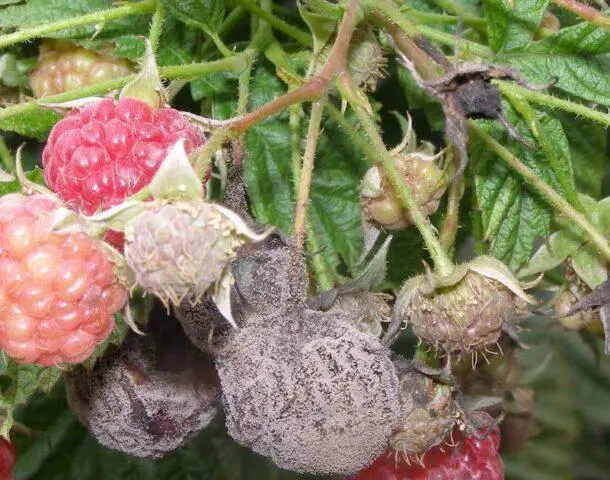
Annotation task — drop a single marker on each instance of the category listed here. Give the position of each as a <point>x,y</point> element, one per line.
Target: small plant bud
<point>420,171</point>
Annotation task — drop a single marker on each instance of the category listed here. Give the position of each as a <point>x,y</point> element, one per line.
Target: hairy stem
<point>450,223</point>
<point>235,64</point>
<point>156,26</point>
<point>306,172</point>
<point>389,13</point>
<point>585,12</point>
<point>442,262</point>
<point>312,90</point>
<point>293,32</point>
<point>508,88</point>
<point>134,8</point>
<point>545,190</point>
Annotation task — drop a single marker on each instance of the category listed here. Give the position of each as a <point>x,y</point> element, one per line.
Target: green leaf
<point>204,14</point>
<point>513,216</point>
<point>588,143</point>
<point>582,76</point>
<point>36,12</point>
<point>511,25</point>
<point>552,253</point>
<point>35,124</point>
<point>322,25</point>
<point>590,266</point>
<point>23,382</point>
<point>583,38</point>
<point>334,208</point>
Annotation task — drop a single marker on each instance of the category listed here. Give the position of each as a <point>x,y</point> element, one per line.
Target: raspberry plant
<point>435,174</point>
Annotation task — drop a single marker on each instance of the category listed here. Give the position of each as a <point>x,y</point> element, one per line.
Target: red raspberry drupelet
<point>469,459</point>
<point>108,150</point>
<point>8,457</point>
<point>57,292</point>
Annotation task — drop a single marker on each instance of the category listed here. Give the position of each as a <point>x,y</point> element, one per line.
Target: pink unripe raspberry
<point>63,66</point>
<point>57,292</point>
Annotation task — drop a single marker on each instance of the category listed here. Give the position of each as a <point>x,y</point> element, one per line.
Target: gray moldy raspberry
<point>269,279</point>
<point>149,396</point>
<point>428,410</point>
<point>312,393</point>
<point>203,324</point>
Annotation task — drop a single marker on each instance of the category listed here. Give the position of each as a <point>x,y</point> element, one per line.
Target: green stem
<point>236,63</point>
<point>450,223</point>
<point>221,46</point>
<point>156,26</point>
<point>306,172</point>
<point>135,8</point>
<point>440,18</point>
<point>556,200</point>
<point>6,157</point>
<point>508,88</point>
<point>381,156</point>
<point>466,46</point>
<point>529,115</point>
<point>388,10</point>
<point>295,145</point>
<point>293,32</point>
<point>585,12</point>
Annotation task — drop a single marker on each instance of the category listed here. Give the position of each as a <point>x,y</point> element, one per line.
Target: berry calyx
<point>57,291</point>
<point>63,66</point>
<point>103,152</point>
<point>8,457</point>
<point>466,458</point>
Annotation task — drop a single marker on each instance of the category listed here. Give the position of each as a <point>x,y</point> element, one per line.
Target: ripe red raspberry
<point>469,459</point>
<point>63,66</point>
<point>57,292</point>
<point>105,151</point>
<point>8,457</point>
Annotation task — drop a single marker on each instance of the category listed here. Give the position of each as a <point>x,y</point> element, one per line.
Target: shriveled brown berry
<point>428,410</point>
<point>149,396</point>
<point>312,393</point>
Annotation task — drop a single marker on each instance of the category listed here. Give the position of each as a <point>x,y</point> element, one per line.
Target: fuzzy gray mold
<point>312,392</point>
<point>149,396</point>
